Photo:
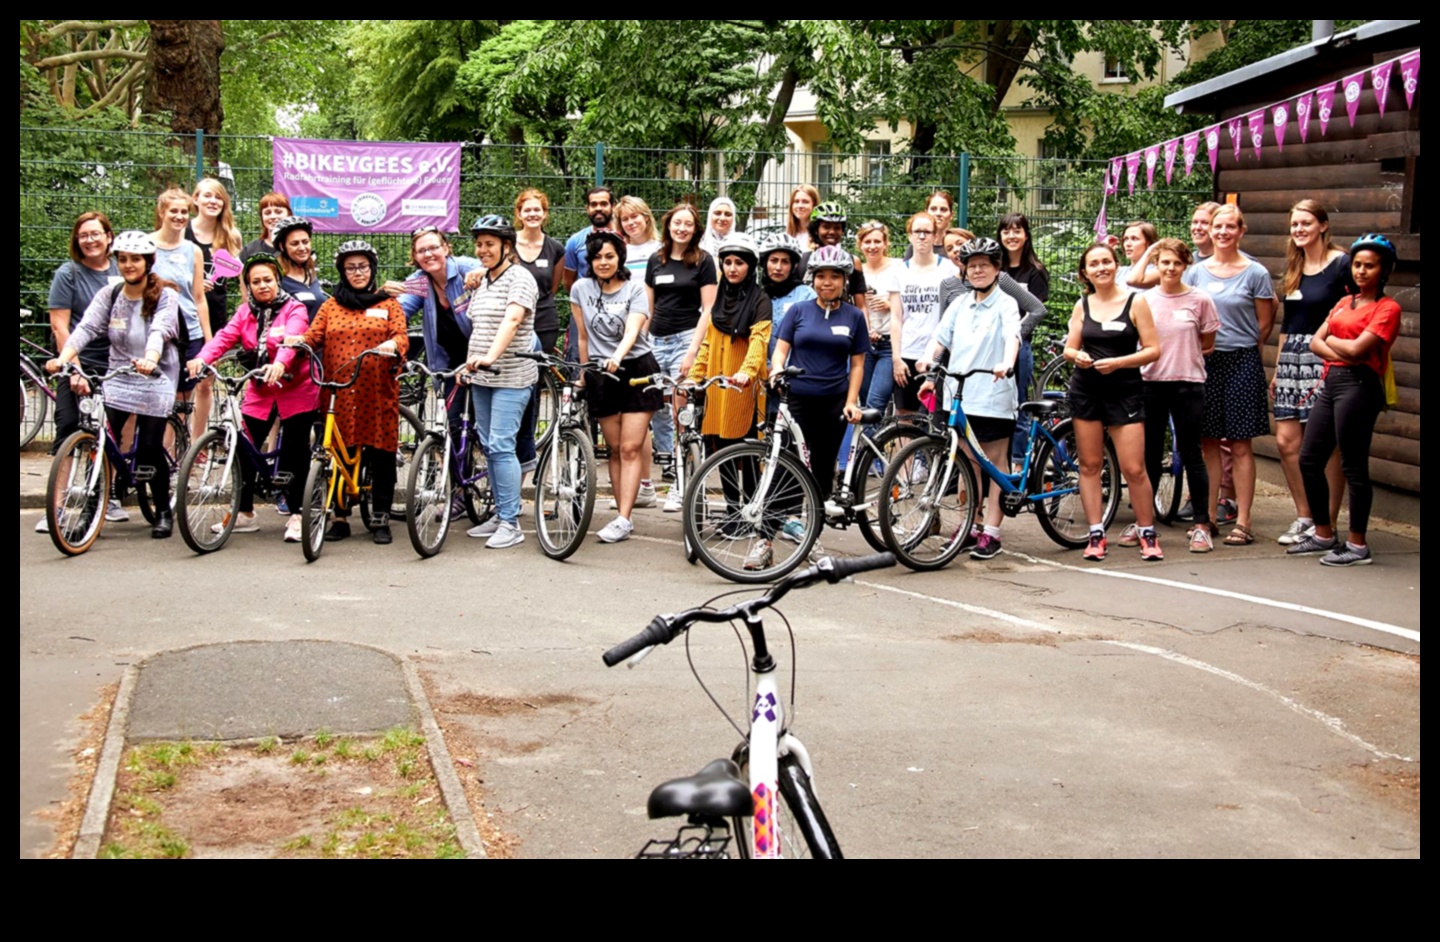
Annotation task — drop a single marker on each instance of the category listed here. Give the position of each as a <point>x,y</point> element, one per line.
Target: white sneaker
<point>43,524</point>
<point>506,536</point>
<point>644,498</point>
<point>1297,532</point>
<point>616,530</point>
<point>116,513</point>
<point>244,523</point>
<point>292,529</point>
<point>919,474</point>
<point>485,530</point>
<point>674,502</point>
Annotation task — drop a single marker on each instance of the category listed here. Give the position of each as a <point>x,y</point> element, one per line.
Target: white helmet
<point>737,243</point>
<point>133,242</point>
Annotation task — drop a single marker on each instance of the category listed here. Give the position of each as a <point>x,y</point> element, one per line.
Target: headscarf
<point>358,300</point>
<point>779,289</point>
<point>264,318</point>
<point>711,240</point>
<point>740,307</point>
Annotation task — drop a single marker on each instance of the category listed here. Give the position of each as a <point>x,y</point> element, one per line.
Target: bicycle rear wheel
<point>1057,469</point>
<point>315,510</point>
<point>1170,487</point>
<point>869,471</point>
<point>74,506</point>
<point>207,492</point>
<point>564,493</point>
<point>1055,377</point>
<point>926,513</point>
<point>736,528</point>
<point>34,402</point>
<point>479,495</point>
<point>412,433</point>
<point>428,516</point>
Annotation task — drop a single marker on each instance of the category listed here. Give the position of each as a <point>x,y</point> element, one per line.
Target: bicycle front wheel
<point>427,517</point>
<point>692,457</point>
<point>564,493</point>
<point>927,504</point>
<point>1057,471</point>
<point>752,518</point>
<point>1055,377</point>
<point>802,830</point>
<point>34,402</point>
<point>872,458</point>
<point>1170,487</point>
<point>412,433</point>
<point>76,492</point>
<point>315,510</point>
<point>479,496</point>
<point>208,492</point>
<point>547,413</point>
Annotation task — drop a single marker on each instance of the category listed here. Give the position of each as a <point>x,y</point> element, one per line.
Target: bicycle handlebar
<point>317,371</point>
<point>665,381</point>
<point>416,366</point>
<point>68,368</point>
<point>666,628</point>
<point>235,382</point>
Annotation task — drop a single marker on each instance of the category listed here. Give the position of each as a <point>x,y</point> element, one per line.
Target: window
<point>878,153</point>
<point>1047,174</point>
<point>824,170</point>
<point>1114,70</point>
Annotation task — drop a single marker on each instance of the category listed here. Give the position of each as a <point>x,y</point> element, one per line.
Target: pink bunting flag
<point>1212,143</point>
<point>1190,146</point>
<point>1256,121</point>
<point>417,285</point>
<point>1380,82</point>
<point>1101,230</point>
<point>1233,125</point>
<point>1117,165</point>
<point>1324,104</point>
<point>1170,147</point>
<point>1303,104</point>
<point>1410,72</point>
<point>1152,157</point>
<point>1132,166</point>
<point>1353,84</point>
<point>1280,120</point>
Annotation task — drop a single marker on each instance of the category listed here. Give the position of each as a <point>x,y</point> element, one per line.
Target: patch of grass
<point>213,749</point>
<point>157,780</point>
<point>299,757</point>
<point>370,754</point>
<point>302,842</point>
<point>405,766</point>
<point>400,738</point>
<point>324,738</point>
<point>146,840</point>
<point>267,745</point>
<point>318,759</point>
<point>344,749</point>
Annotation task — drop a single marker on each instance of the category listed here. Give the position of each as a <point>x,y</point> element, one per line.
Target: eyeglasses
<point>92,236</point>
<point>357,269</point>
<point>922,232</point>
<point>430,250</point>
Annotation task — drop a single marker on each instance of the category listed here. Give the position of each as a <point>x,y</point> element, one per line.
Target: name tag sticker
<point>542,263</point>
<point>1113,326</point>
<point>1215,287</point>
<point>277,331</point>
<point>1294,296</point>
<point>840,330</point>
<point>118,323</point>
<point>114,280</point>
<point>664,279</point>
<point>1185,317</point>
<point>304,296</point>
<point>377,312</point>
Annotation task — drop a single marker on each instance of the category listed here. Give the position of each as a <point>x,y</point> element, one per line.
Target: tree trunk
<point>184,76</point>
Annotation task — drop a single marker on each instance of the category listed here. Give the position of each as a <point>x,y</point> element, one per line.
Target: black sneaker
<point>338,530</point>
<point>380,529</point>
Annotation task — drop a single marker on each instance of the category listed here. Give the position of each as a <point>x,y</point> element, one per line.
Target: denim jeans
<point>1024,373</point>
<point>876,388</point>
<point>498,412</point>
<point>669,351</point>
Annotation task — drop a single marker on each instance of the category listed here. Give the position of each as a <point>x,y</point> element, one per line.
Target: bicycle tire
<point>1055,378</point>
<point>802,813</point>
<point>564,493</point>
<point>926,514</point>
<point>1063,518</point>
<point>207,494</point>
<point>547,414</point>
<point>314,512</point>
<point>692,457</point>
<point>427,517</point>
<point>411,434</point>
<point>34,402</point>
<point>1170,488</point>
<point>867,474</point>
<point>479,495</point>
<point>74,510</point>
<point>179,444</point>
<point>726,534</point>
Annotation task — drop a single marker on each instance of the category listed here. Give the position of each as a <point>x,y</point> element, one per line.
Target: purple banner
<point>1410,72</point>
<point>1324,104</point>
<point>1353,84</point>
<point>1152,157</point>
<point>1132,166</point>
<point>1303,104</point>
<point>1190,146</point>
<point>1233,125</point>
<point>1256,122</point>
<point>1170,146</point>
<point>1380,81</point>
<point>1280,119</point>
<point>1212,144</point>
<point>360,186</point>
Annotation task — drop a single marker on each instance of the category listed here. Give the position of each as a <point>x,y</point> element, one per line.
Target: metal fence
<point>67,171</point>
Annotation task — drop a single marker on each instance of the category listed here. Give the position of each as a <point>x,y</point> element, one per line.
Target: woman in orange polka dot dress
<point>357,318</point>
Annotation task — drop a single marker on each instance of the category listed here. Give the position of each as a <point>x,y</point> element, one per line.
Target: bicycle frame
<point>232,424</point>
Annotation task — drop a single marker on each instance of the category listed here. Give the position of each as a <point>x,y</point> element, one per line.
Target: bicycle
<point>207,489</point>
<point>769,759</point>
<point>446,468</point>
<point>929,499</point>
<point>84,472</point>
<point>565,468</point>
<point>336,476</point>
<point>750,492</point>
<point>35,392</point>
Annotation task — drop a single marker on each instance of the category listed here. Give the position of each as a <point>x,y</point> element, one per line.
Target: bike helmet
<point>828,211</point>
<point>831,257</point>
<point>133,242</point>
<point>982,246</point>
<point>780,242</point>
<point>283,227</point>
<point>598,237</point>
<point>356,247</point>
<point>737,243</point>
<point>1376,243</point>
<point>494,224</point>
<point>259,258</point>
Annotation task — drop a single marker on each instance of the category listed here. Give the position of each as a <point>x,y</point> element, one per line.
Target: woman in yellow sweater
<point>735,345</point>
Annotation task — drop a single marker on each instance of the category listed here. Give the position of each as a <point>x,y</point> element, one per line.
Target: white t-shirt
<point>920,298</point>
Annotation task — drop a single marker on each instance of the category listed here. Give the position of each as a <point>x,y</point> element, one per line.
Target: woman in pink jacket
<point>270,314</point>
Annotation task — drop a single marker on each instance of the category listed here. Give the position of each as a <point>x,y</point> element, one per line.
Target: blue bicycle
<point>929,497</point>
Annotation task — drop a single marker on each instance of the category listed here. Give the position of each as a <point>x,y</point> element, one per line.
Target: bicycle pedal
<point>143,473</point>
<point>280,478</point>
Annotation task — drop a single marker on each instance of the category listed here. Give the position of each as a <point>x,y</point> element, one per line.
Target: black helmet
<point>982,246</point>
<point>356,247</point>
<point>494,224</point>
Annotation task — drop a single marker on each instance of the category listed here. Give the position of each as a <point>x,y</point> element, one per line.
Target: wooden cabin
<point>1366,176</point>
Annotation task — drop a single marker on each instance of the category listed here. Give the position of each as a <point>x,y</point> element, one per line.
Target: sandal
<point>1240,536</point>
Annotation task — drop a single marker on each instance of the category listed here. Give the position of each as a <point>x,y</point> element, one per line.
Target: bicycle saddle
<point>715,790</point>
<point>1042,408</point>
<point>871,416</point>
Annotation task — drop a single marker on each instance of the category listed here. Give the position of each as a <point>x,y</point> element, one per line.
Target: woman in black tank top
<point>1111,336</point>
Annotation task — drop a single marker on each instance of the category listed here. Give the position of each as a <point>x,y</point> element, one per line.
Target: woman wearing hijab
<point>735,345</point>
<point>719,223</point>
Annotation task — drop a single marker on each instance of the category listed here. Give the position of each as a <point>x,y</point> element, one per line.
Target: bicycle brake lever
<point>634,660</point>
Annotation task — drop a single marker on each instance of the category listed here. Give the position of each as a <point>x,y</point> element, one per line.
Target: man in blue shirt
<point>600,207</point>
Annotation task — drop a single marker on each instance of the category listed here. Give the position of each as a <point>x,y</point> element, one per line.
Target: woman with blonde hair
<point>212,229</point>
<point>803,200</point>
<point>180,262</point>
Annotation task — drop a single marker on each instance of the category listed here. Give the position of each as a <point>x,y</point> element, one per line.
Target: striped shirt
<point>487,314</point>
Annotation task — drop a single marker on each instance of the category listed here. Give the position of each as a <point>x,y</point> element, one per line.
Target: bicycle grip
<point>657,632</point>
<point>642,381</point>
<point>842,568</point>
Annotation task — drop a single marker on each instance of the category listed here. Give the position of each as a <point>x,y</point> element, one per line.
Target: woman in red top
<point>1355,343</point>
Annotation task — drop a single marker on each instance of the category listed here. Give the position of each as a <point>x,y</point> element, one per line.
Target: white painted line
<point>1406,633</point>
<point>1332,723</point>
<point>972,609</point>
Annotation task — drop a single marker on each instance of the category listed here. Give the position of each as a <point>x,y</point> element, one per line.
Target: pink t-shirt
<point>1180,319</point>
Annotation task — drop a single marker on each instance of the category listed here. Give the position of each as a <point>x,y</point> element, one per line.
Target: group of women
<point>1175,334</point>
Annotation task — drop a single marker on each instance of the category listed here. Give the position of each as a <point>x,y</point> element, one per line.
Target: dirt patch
<point>1395,784</point>
<point>324,796</point>
<point>986,636</point>
<point>67,816</point>
<point>474,704</point>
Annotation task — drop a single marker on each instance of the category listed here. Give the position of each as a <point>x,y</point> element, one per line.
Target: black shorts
<point>186,382</point>
<point>906,397</point>
<point>608,397</point>
<point>989,429</point>
<point>1121,408</point>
